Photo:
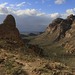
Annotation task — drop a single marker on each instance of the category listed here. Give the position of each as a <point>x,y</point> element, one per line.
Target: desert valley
<point>51,52</point>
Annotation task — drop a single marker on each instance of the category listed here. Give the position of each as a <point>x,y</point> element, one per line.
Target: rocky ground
<point>14,63</point>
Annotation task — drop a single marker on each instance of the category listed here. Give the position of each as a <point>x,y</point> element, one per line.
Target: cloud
<point>12,5</point>
<point>30,20</point>
<point>18,5</point>
<point>3,4</point>
<point>29,12</point>
<point>59,1</point>
<point>68,12</point>
<point>55,15</point>
<point>3,10</point>
<point>21,4</point>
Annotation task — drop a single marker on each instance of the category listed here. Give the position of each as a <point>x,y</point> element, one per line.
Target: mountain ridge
<point>61,24</point>
<point>60,31</point>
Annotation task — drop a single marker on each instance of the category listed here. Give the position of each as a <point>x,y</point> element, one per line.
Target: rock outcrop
<point>9,31</point>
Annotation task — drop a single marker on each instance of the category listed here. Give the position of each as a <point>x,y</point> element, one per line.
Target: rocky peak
<point>60,26</point>
<point>72,17</point>
<point>8,29</point>
<point>53,26</point>
<point>10,21</point>
<point>57,20</point>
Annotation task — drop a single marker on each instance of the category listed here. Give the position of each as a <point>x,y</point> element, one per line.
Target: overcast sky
<point>35,15</point>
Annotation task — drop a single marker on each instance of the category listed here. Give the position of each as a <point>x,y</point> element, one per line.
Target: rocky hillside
<point>61,31</point>
<point>63,28</point>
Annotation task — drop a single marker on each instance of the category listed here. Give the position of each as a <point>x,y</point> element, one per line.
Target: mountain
<point>19,58</point>
<point>59,30</point>
<point>63,28</point>
<point>10,38</point>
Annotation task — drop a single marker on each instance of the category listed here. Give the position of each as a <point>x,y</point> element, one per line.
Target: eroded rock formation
<point>8,29</point>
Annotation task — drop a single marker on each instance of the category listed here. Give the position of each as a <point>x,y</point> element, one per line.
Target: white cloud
<point>21,4</point>
<point>18,5</point>
<point>70,11</point>
<point>74,9</point>
<point>59,1</point>
<point>40,14</point>
<point>3,10</point>
<point>29,12</point>
<point>3,4</point>
<point>12,5</point>
<point>55,15</point>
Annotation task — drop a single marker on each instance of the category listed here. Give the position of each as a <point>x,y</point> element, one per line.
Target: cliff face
<point>8,29</point>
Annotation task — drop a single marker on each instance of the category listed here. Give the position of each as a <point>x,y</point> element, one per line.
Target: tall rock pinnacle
<point>8,29</point>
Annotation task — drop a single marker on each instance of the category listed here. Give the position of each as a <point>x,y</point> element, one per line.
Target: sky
<point>35,15</point>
